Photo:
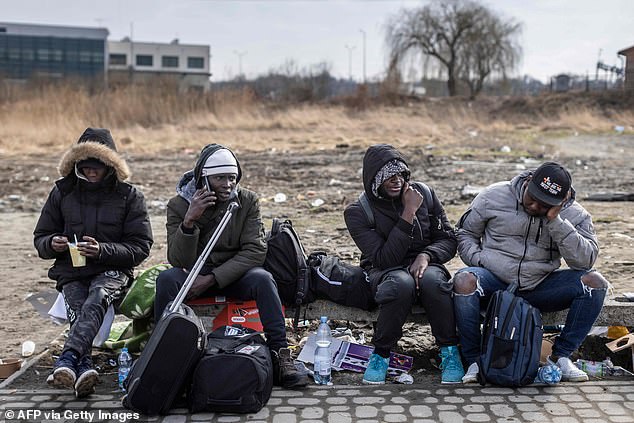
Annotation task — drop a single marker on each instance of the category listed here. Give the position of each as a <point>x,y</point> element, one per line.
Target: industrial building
<point>30,51</point>
<point>629,67</point>
<point>46,51</point>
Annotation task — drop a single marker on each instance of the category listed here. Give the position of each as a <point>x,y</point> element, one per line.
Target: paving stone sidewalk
<point>592,402</point>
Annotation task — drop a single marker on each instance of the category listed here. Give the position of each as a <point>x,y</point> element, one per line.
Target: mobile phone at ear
<point>404,187</point>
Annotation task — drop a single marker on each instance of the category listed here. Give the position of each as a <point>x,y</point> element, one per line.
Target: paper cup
<point>28,348</point>
<point>78,259</point>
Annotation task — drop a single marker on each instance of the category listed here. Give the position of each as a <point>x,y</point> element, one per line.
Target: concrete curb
<point>25,366</point>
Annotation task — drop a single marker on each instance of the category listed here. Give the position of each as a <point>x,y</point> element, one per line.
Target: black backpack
<point>511,341</point>
<point>286,260</point>
<point>235,374</point>
<point>340,282</point>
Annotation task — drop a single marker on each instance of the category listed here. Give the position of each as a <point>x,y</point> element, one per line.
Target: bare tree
<point>468,41</point>
<point>490,48</point>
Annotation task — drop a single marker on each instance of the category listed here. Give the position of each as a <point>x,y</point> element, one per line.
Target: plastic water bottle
<point>595,368</point>
<point>323,355</point>
<point>125,362</point>
<point>548,374</point>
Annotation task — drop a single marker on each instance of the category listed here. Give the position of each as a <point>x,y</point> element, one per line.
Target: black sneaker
<point>87,378</point>
<point>65,370</point>
<point>285,374</point>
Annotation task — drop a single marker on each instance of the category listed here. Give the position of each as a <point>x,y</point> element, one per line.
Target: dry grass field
<point>148,121</point>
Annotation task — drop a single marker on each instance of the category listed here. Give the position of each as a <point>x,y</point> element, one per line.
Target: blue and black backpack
<point>511,340</point>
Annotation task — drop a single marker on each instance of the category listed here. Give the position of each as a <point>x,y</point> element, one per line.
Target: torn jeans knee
<point>478,289</point>
<point>587,289</point>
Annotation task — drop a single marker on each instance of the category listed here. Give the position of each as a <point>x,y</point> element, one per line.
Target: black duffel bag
<point>235,374</point>
<point>342,283</point>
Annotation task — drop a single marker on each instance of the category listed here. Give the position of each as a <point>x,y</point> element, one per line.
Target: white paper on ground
<point>599,331</point>
<point>58,315</point>
<point>58,310</point>
<point>307,354</point>
<point>104,330</point>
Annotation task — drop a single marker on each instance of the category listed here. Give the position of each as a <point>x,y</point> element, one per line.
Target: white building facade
<point>187,64</point>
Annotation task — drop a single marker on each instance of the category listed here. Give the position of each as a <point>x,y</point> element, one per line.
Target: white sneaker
<point>472,374</point>
<point>569,372</point>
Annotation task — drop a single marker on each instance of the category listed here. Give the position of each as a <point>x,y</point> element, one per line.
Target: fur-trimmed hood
<point>94,143</point>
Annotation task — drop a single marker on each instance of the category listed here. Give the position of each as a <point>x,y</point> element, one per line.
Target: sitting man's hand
<point>553,212</point>
<point>201,200</point>
<point>89,248</point>
<point>200,285</point>
<point>417,269</point>
<point>59,243</point>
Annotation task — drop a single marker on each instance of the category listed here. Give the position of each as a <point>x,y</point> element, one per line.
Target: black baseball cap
<point>550,184</point>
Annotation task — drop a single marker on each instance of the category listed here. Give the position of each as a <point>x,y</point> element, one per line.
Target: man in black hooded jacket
<point>403,252</point>
<point>93,205</point>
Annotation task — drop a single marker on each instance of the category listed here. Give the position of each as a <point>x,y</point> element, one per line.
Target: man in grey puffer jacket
<point>518,231</point>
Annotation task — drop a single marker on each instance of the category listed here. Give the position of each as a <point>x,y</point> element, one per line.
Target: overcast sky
<point>558,35</point>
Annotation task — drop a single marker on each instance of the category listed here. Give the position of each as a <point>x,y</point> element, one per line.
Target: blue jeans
<point>561,290</point>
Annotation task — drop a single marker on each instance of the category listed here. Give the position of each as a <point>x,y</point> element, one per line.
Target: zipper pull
<point>495,322</point>
<point>539,231</point>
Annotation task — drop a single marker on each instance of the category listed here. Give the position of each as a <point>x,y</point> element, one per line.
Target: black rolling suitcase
<point>160,373</point>
<point>177,343</point>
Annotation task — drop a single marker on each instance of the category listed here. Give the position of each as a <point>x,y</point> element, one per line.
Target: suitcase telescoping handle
<point>203,256</point>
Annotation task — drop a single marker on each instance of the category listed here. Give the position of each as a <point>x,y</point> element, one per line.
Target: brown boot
<point>285,374</point>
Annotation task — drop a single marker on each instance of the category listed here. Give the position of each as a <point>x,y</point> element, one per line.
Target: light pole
<point>350,48</point>
<point>363,32</point>
<point>239,54</point>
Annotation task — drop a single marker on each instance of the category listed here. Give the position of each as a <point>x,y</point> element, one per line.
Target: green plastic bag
<point>131,334</point>
<point>139,301</point>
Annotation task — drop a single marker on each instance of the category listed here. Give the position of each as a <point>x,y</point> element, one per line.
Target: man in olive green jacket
<point>234,267</point>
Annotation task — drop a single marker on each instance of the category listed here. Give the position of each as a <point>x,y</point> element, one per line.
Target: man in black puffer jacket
<point>108,218</point>
<point>404,252</point>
